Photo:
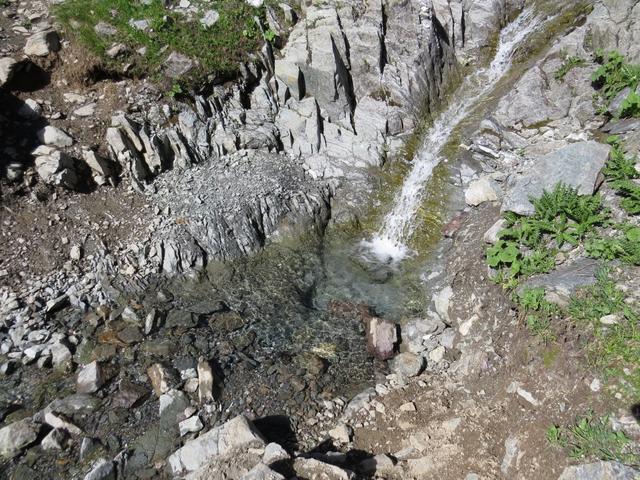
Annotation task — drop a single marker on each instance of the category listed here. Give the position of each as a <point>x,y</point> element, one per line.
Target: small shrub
<point>630,106</point>
<point>612,77</point>
<point>569,64</point>
<point>593,438</point>
<point>528,245</point>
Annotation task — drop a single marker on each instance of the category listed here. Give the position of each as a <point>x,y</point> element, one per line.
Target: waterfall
<point>390,243</point>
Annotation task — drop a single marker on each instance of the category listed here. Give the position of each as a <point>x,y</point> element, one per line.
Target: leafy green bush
<point>630,106</point>
<point>528,245</point>
<point>621,172</point>
<point>612,77</point>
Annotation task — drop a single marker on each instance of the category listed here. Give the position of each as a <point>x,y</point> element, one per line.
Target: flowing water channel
<point>390,244</point>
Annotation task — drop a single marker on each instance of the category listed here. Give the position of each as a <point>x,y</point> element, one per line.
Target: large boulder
<point>17,436</point>
<point>577,165</point>
<point>235,434</point>
<point>43,43</point>
<point>600,471</point>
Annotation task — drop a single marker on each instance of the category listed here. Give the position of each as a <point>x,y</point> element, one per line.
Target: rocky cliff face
<point>349,86</point>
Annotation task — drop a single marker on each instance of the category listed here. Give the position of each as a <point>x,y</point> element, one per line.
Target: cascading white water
<point>389,245</point>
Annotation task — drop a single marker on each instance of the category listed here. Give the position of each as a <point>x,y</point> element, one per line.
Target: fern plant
<point>614,74</point>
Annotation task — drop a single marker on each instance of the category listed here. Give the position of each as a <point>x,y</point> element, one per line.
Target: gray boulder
<point>42,44</point>
<point>17,436</point>
<point>236,433</point>
<point>176,65</point>
<point>51,135</point>
<point>102,470</point>
<point>577,165</point>
<point>315,469</point>
<point>600,471</point>
<point>55,167</point>
<point>563,281</point>
<point>407,364</point>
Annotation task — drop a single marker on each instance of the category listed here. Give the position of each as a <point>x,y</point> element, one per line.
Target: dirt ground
<point>491,414</point>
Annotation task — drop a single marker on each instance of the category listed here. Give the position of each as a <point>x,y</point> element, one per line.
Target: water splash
<point>389,245</point>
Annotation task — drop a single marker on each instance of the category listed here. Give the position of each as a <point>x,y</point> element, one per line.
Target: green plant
<point>593,438</point>
<point>555,437</point>
<point>270,35</point>
<point>614,348</point>
<point>614,74</point>
<point>569,64</point>
<point>611,78</point>
<point>528,245</point>
<point>630,106</point>
<point>539,312</point>
<point>176,89</point>
<point>621,172</point>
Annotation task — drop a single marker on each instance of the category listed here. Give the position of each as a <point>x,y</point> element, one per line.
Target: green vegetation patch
<point>593,438</point>
<point>216,50</point>
<point>570,62</point>
<point>528,245</point>
<point>613,76</point>
<point>615,345</point>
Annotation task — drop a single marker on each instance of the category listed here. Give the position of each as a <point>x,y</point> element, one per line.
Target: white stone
<point>90,378</point>
<point>491,235</point>
<point>437,354</point>
<point>7,67</point>
<point>482,190</point>
<point>190,425</point>
<point>235,434</point>
<point>274,453</point>
<point>86,111</point>
<point>51,135</point>
<point>341,434</point>
<point>75,253</point>
<point>610,319</point>
<point>210,18</point>
<point>408,407</point>
<point>442,300</point>
<point>42,44</point>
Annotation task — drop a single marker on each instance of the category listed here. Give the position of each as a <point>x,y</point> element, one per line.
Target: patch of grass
<point>593,438</point>
<point>217,50</point>
<point>612,77</point>
<point>539,313</point>
<point>614,349</point>
<point>569,64</point>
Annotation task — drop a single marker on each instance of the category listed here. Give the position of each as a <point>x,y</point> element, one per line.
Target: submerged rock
<point>382,337</point>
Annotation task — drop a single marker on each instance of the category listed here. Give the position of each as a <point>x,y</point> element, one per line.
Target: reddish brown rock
<point>382,336</point>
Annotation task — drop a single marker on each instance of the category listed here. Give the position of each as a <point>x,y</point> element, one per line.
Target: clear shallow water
<point>390,244</point>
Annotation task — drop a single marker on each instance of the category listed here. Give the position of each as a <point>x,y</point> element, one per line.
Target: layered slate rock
<point>577,165</point>
<point>225,211</point>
